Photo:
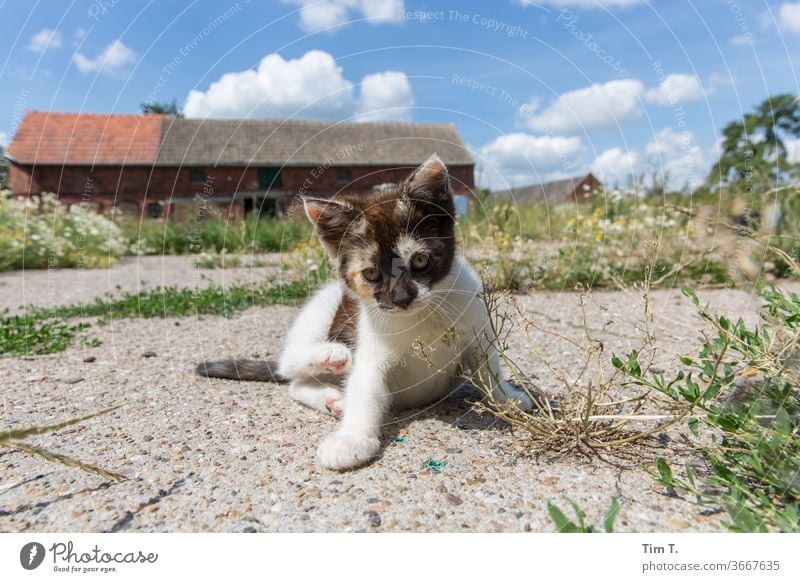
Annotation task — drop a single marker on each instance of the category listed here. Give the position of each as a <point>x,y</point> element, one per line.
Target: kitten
<point>396,328</point>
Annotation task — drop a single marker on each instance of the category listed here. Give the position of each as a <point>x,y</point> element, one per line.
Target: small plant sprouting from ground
<point>566,525</point>
<point>591,411</point>
<point>738,397</point>
<point>741,392</point>
<point>16,439</point>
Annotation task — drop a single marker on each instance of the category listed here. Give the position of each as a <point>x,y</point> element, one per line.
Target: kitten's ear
<point>331,219</point>
<point>430,182</point>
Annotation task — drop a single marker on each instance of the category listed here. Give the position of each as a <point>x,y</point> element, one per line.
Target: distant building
<point>154,164</point>
<point>566,191</point>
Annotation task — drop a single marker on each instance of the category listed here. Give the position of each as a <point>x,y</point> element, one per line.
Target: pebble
<point>249,529</point>
<point>453,499</point>
<point>452,451</point>
<point>89,359</point>
<point>150,354</point>
<point>73,379</point>
<point>373,518</point>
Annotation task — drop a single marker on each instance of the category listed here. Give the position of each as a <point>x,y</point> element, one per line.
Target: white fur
<point>403,359</point>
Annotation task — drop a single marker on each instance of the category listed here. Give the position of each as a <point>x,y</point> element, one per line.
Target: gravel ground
<point>211,455</point>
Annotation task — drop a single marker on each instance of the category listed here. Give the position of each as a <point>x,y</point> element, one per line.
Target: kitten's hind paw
<point>333,401</point>
<point>508,392</point>
<point>340,452</point>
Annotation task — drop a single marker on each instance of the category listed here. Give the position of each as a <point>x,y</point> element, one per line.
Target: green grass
<point>47,330</point>
<point>614,240</point>
<point>180,302</point>
<point>214,235</point>
<point>566,525</point>
<point>740,390</point>
<point>25,336</point>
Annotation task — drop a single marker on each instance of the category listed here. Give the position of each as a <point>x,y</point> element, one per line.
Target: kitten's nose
<point>401,297</point>
<point>405,302</point>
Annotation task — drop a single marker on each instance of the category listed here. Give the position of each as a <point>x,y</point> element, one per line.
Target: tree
<point>162,108</point>
<point>754,153</point>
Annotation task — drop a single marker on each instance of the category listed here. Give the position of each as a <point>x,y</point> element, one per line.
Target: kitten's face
<point>391,248</point>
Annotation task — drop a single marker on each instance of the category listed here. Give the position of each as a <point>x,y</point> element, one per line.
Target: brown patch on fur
<point>358,285</point>
<point>344,328</point>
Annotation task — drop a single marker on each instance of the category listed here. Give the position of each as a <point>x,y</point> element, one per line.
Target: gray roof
<point>554,192</point>
<point>307,143</point>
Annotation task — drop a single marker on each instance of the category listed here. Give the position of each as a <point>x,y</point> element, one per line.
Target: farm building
<point>158,164</point>
<point>566,191</point>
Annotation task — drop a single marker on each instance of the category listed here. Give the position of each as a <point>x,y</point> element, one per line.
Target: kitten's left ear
<point>430,181</point>
<point>331,218</point>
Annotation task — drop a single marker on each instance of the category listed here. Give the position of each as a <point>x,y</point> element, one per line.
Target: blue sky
<point>538,90</point>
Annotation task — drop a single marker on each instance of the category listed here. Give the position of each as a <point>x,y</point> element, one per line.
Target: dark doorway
<point>260,206</point>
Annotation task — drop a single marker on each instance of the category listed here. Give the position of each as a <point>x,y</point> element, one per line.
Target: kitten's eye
<point>420,262</point>
<point>371,274</point>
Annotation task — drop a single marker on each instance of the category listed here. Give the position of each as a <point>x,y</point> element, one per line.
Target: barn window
<point>197,177</point>
<point>343,176</point>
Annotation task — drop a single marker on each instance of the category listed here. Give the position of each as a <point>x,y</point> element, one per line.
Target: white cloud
<point>113,59</point>
<point>719,80</point>
<point>792,150</point>
<point>615,166</point>
<point>518,159</point>
<point>676,89</point>
<point>316,15</point>
<point>312,87</point>
<point>600,106</point>
<point>789,16</point>
<point>3,139</point>
<point>742,39</point>
<point>309,87</point>
<point>386,96</point>
<point>677,156</point>
<point>46,38</point>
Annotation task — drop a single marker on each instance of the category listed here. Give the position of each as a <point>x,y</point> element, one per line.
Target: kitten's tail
<point>247,370</point>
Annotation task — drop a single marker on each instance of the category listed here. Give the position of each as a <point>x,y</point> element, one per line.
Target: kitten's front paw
<point>340,452</point>
<point>333,358</point>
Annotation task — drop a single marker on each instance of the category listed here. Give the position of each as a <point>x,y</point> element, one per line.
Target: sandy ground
<point>210,455</point>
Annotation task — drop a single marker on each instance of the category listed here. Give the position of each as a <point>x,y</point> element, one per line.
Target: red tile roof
<point>46,138</point>
<point>86,139</point>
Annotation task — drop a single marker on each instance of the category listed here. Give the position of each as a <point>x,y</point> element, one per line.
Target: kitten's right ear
<point>331,219</point>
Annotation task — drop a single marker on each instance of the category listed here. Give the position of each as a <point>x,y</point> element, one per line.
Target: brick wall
<point>108,186</point>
